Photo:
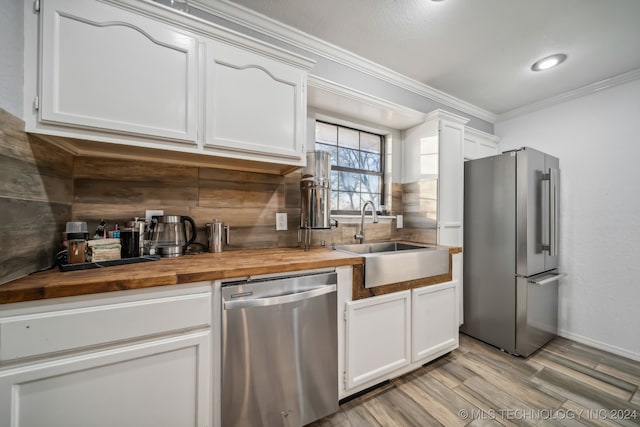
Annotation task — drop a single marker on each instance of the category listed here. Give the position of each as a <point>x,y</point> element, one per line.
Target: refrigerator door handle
<point>552,177</point>
<point>548,280</point>
<point>553,212</point>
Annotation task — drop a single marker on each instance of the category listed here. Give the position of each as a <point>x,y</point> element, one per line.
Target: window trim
<point>380,175</point>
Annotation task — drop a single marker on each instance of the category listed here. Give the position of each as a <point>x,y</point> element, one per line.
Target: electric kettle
<point>170,235</point>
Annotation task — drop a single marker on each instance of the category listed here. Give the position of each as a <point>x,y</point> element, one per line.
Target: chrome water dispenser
<point>315,189</point>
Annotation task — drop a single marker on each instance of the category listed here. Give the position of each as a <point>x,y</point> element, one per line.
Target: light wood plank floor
<point>563,384</point>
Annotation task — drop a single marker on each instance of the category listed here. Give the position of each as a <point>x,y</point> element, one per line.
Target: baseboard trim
<point>600,345</point>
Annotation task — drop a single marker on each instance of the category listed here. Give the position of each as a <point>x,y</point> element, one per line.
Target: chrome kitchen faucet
<point>360,236</point>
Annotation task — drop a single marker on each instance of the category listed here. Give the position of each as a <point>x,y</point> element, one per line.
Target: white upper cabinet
<point>107,68</point>
<point>255,105</point>
<point>141,76</point>
<point>434,150</point>
<point>478,144</point>
<point>451,178</point>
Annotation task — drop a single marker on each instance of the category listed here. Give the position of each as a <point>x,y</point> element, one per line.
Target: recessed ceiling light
<point>549,62</point>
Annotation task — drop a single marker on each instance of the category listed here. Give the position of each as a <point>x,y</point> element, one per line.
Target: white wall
<point>597,138</point>
<point>11,56</point>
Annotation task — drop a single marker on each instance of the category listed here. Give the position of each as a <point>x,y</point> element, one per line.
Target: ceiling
<point>479,51</point>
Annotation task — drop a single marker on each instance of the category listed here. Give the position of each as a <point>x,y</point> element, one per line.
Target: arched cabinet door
<point>107,68</point>
<point>255,105</point>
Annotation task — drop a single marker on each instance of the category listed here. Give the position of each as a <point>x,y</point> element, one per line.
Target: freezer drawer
<point>536,311</point>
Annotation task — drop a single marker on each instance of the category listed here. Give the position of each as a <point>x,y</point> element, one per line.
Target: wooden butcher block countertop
<point>171,271</point>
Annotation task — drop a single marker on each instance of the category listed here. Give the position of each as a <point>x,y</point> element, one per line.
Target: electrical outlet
<point>399,221</point>
<point>281,221</point>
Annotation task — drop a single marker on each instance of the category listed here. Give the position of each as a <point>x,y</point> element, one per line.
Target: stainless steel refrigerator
<point>511,250</point>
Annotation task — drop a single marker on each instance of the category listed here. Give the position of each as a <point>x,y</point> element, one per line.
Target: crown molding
<point>480,134</point>
<point>270,27</point>
<point>589,89</point>
<point>327,95</point>
<point>193,24</point>
<point>446,115</point>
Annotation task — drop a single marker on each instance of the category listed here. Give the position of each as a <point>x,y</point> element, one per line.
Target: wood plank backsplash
<point>36,194</point>
<point>42,187</point>
<point>118,190</point>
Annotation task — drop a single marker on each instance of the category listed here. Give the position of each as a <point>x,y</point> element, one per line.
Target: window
<point>357,166</point>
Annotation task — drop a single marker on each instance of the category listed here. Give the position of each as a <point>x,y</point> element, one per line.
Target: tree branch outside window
<point>357,166</point>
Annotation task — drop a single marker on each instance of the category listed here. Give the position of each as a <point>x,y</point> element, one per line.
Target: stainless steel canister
<point>315,189</point>
<point>215,232</point>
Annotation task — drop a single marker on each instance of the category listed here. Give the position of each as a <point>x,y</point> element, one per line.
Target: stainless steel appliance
<point>511,250</point>
<point>315,195</point>
<point>170,235</point>
<point>315,188</point>
<point>279,350</point>
<point>215,232</point>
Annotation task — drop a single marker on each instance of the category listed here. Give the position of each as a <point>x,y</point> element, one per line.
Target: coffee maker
<point>132,239</point>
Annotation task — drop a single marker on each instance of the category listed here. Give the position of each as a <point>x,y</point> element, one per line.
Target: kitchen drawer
<point>59,330</point>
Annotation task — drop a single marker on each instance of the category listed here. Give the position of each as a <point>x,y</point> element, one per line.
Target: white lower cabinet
<point>159,383</point>
<point>434,323</point>
<point>389,335</point>
<point>378,336</point>
<point>139,358</point>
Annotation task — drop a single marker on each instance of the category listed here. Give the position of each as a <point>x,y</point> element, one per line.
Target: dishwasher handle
<point>280,299</point>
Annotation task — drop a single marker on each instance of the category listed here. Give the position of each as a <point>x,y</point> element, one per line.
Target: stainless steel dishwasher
<point>279,350</point>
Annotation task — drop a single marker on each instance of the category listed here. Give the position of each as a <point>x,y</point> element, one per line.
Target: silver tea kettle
<point>170,235</point>
<point>215,231</point>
